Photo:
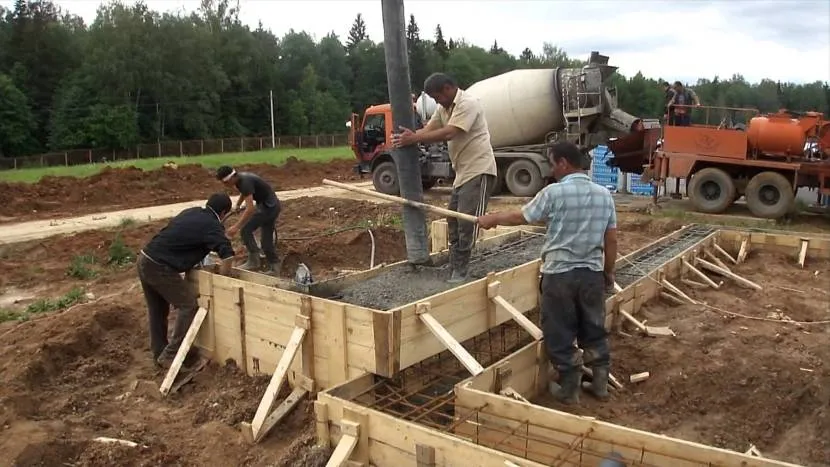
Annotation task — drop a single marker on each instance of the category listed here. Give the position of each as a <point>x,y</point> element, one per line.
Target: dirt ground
<point>122,188</point>
<point>68,376</point>
<point>728,381</point>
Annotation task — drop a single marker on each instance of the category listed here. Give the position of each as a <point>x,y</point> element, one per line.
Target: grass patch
<point>119,254</point>
<point>80,268</point>
<point>277,156</point>
<point>73,297</point>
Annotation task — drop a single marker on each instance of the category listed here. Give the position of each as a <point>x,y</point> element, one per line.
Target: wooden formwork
<point>251,319</point>
<point>495,425</point>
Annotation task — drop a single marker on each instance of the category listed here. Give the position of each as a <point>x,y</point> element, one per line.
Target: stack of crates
<point>601,173</point>
<point>636,187</point>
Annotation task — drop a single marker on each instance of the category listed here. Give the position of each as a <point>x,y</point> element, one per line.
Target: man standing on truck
<point>683,97</point>
<point>178,248</point>
<point>578,259</point>
<point>252,188</point>
<point>459,120</point>
<point>669,96</point>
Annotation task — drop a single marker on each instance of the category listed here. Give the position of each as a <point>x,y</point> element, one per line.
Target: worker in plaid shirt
<point>578,259</point>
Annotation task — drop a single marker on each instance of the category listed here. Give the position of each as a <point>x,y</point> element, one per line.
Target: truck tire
<point>523,178</point>
<point>712,190</point>
<point>385,178</point>
<point>769,195</point>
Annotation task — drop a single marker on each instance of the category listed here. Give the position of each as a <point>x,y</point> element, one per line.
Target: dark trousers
<point>470,198</point>
<point>573,307</point>
<point>163,287</point>
<point>264,219</point>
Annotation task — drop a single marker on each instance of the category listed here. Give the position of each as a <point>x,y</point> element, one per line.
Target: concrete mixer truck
<point>765,160</point>
<point>525,110</point>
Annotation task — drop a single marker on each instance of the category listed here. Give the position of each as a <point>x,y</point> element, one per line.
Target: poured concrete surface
<point>399,285</point>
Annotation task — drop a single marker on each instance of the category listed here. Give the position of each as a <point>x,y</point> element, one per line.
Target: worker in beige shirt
<point>460,121</point>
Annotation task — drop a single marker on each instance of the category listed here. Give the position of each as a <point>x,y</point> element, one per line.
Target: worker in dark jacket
<point>263,216</point>
<point>178,248</point>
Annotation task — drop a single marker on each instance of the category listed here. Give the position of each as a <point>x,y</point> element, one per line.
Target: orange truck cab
<point>369,141</point>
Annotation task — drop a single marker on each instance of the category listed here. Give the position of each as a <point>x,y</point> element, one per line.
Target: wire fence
<point>194,148</point>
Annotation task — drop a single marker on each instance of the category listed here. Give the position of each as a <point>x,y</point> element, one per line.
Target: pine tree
<point>412,34</point>
<point>357,33</point>
<point>440,45</point>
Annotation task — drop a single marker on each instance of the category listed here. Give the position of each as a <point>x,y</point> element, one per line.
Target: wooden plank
<point>424,456</point>
<point>285,407</point>
<point>604,437</point>
<point>727,273</point>
<point>448,340</point>
<point>399,438</point>
<point>189,337</point>
<point>493,290</point>
<point>277,380</point>
<point>802,254</point>
<point>321,419</point>
<point>387,331</point>
<point>336,339</point>
<point>344,448</point>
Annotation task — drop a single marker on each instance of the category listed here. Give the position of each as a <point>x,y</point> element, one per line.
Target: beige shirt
<point>470,152</point>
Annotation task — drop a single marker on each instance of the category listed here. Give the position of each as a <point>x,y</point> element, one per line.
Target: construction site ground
<point>69,374</point>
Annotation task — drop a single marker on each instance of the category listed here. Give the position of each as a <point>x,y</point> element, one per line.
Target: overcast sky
<point>787,40</point>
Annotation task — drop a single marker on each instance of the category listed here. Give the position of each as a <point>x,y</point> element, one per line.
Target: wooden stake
<point>469,362</point>
<point>636,378</point>
<point>716,260</point>
<point>729,274</point>
<point>700,275</point>
<point>518,316</point>
<point>678,292</point>
<point>252,430</point>
<point>744,250</point>
<point>725,254</point>
<point>802,254</point>
<point>672,298</point>
<point>347,444</point>
<point>187,343</point>
<point>694,284</point>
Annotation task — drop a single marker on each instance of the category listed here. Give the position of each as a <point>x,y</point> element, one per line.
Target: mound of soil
<point>730,382</point>
<point>130,187</point>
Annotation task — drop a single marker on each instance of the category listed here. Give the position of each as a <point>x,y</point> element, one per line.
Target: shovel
<point>648,330</point>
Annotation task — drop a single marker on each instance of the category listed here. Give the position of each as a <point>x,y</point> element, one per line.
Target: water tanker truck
<point>525,110</point>
<point>766,160</point>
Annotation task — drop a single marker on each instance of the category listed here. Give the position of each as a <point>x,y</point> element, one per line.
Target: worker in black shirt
<point>264,216</point>
<point>178,248</point>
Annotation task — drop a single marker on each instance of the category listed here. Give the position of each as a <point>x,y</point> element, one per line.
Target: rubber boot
<point>599,383</point>
<point>567,390</point>
<point>253,262</point>
<point>459,269</point>
<point>275,267</point>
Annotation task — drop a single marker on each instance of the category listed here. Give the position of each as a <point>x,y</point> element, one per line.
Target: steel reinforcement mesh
<point>657,255</point>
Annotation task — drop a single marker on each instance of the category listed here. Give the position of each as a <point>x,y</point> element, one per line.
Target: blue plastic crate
<point>601,173</point>
<point>636,187</point>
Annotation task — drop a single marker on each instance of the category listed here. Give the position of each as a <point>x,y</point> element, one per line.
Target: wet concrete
<point>399,285</point>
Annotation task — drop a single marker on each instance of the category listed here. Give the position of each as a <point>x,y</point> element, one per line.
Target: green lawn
<point>277,156</point>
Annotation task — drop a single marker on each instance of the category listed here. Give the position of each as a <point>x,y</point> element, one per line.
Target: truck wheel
<point>428,184</point>
<point>711,190</point>
<point>523,178</point>
<point>769,195</point>
<point>385,178</point>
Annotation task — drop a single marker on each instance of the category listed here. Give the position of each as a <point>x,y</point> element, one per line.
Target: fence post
<point>181,150</point>
<point>299,142</point>
<point>260,144</point>
<point>279,142</point>
<point>222,146</point>
<point>15,163</point>
<point>242,144</point>
<point>202,147</point>
<point>332,140</point>
<point>138,151</point>
<point>42,162</point>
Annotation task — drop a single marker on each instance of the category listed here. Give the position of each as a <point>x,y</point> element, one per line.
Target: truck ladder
<point>573,113</point>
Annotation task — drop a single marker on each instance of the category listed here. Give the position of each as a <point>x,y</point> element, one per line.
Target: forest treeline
<point>136,75</point>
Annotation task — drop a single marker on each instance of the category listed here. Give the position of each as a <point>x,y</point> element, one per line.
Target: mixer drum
<point>777,135</point>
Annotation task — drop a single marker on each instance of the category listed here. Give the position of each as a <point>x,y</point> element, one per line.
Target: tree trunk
<point>406,159</point>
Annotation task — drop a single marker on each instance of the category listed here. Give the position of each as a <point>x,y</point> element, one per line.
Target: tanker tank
<point>781,135</point>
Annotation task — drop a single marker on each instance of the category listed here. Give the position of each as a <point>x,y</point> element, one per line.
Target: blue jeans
<point>573,307</point>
